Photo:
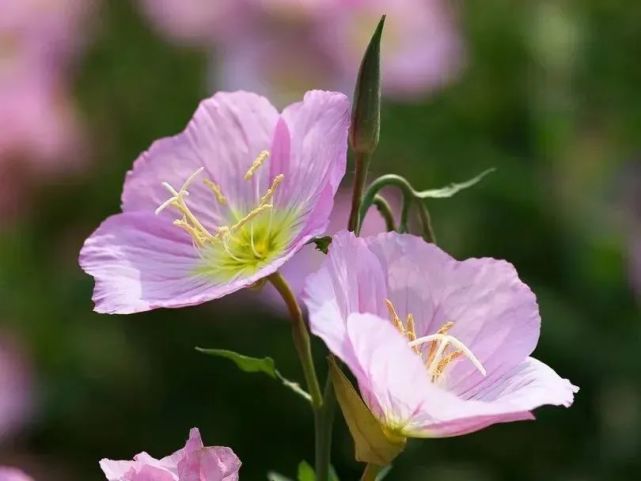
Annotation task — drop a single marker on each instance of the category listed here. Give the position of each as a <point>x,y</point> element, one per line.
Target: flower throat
<point>443,350</point>
<point>246,244</point>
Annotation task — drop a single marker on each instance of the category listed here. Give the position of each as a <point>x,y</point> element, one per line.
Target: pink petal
<point>142,262</point>
<point>392,378</point>
<point>225,135</point>
<point>116,470</point>
<point>512,398</point>
<point>495,314</point>
<point>210,464</point>
<point>350,280</point>
<point>318,147</point>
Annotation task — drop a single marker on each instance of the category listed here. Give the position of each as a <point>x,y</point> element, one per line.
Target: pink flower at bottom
<point>13,474</point>
<point>194,462</point>
<point>439,347</point>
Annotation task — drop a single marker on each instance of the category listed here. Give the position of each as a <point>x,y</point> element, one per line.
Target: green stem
<point>360,175</point>
<point>301,338</point>
<point>370,472</point>
<point>386,212</point>
<point>376,186</point>
<point>324,419</point>
<point>426,223</point>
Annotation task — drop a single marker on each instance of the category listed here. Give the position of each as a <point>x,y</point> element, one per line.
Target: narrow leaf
<point>266,365</point>
<point>366,110</point>
<point>245,363</point>
<point>453,188</point>
<point>371,443</point>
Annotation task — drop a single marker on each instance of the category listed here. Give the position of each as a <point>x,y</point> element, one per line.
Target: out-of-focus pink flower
<point>39,131</point>
<point>196,21</point>
<point>439,347</point>
<point>421,48</point>
<point>13,474</point>
<point>15,387</point>
<point>256,186</point>
<point>38,123</point>
<point>281,47</point>
<point>194,462</point>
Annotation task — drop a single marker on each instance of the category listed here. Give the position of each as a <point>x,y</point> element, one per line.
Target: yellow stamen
<point>394,317</point>
<point>252,214</point>
<point>215,188</point>
<point>444,362</point>
<point>438,359</point>
<point>260,159</point>
<point>270,192</point>
<point>411,332</point>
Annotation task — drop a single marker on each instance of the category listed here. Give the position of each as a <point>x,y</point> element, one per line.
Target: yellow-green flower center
<point>253,238</point>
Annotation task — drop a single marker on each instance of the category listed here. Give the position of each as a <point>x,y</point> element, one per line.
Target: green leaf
<point>366,109</point>
<point>453,188</point>
<point>372,444</point>
<point>306,472</point>
<point>274,476</point>
<point>265,365</point>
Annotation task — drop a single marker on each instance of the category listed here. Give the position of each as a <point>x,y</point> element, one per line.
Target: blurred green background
<point>551,97</point>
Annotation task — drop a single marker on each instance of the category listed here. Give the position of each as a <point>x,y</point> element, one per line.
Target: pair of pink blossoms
<point>439,347</point>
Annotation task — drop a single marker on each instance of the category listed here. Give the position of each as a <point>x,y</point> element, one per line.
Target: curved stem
<point>376,186</point>
<point>386,212</point>
<point>370,472</point>
<point>360,175</point>
<point>426,223</point>
<point>301,338</point>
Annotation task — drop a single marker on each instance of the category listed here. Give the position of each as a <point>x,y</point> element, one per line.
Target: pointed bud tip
<point>366,110</point>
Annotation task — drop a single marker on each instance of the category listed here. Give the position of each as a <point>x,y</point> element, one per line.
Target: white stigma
<point>444,340</point>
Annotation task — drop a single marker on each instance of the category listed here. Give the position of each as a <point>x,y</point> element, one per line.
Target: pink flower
<point>421,48</point>
<point>439,347</point>
<point>194,462</point>
<point>195,21</point>
<point>280,47</point>
<point>13,474</point>
<point>256,186</point>
<point>15,386</point>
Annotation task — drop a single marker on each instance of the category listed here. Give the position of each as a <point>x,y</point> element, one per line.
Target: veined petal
<point>210,464</point>
<point>317,156</point>
<point>350,280</point>
<point>512,398</point>
<point>391,377</point>
<point>141,262</point>
<point>225,136</point>
<point>494,314</point>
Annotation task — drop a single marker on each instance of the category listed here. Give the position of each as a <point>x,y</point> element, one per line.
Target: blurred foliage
<point>550,98</point>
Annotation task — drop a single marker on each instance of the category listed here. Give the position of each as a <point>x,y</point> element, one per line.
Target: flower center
<point>250,241</point>
<point>441,348</point>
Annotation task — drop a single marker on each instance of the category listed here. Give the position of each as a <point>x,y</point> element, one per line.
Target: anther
<point>394,317</point>
<point>215,188</point>
<point>270,192</point>
<point>262,156</point>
